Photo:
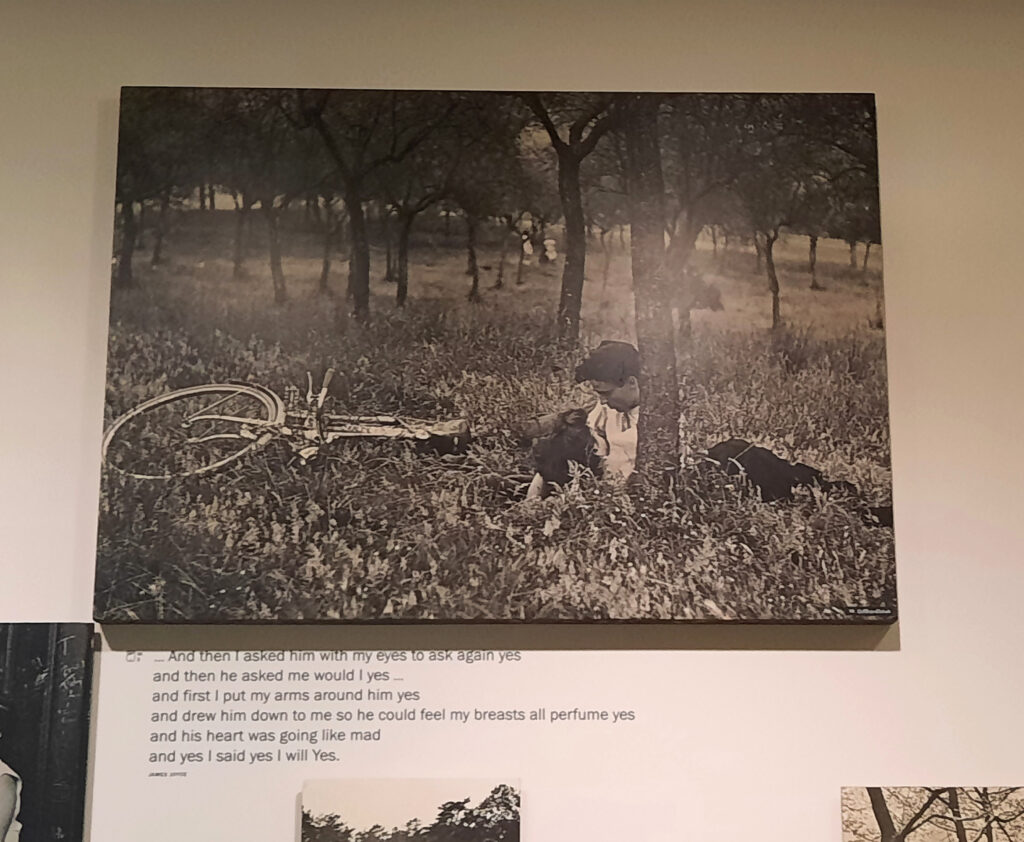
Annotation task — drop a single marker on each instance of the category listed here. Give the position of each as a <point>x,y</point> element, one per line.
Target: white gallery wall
<point>934,701</point>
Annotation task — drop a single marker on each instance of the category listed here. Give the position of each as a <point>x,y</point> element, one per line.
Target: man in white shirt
<point>612,371</point>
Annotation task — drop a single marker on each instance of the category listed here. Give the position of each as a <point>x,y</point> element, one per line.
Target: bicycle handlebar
<point>323,389</point>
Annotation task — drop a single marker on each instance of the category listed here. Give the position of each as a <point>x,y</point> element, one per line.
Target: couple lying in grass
<point>604,440</point>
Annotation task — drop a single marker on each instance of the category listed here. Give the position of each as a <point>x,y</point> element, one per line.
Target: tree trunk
<point>140,229</point>
<point>522,259</point>
<point>499,281</point>
<point>570,299</point>
<point>389,264</point>
<point>606,268</point>
<point>241,228</point>
<point>990,819</point>
<point>886,829</point>
<point>958,821</point>
<point>402,274</point>
<point>812,261</point>
<point>658,428</point>
<point>123,278</point>
<point>864,266</point>
<point>773,278</point>
<point>329,223</point>
<point>714,243</point>
<point>359,257</point>
<point>879,309</point>
<point>341,228</point>
<point>202,195</point>
<point>853,253</point>
<point>270,214</point>
<point>161,227</point>
<point>474,269</point>
<point>212,197</point>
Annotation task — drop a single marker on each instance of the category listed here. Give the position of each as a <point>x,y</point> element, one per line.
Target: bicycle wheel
<point>192,431</point>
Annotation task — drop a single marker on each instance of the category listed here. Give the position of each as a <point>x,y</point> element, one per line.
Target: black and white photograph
<point>517,356</point>
<point>410,810</point>
<point>45,672</point>
<point>933,814</point>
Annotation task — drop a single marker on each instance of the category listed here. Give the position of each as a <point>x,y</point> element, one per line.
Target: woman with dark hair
<point>10,787</point>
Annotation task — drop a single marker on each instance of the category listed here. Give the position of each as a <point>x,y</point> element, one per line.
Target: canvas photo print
<point>444,356</point>
<point>410,810</point>
<point>933,814</point>
<point>45,680</point>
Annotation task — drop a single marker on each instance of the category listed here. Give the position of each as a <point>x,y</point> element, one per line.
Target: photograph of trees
<point>506,356</point>
<point>940,814</point>
<point>45,691</point>
<point>409,811</point>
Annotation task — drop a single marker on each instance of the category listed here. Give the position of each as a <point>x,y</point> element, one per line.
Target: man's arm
<point>536,489</point>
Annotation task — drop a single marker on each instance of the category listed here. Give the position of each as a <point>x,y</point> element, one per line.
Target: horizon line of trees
<point>494,819</point>
<point>750,165</point>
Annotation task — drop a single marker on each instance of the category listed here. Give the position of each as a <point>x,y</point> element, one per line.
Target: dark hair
<point>610,362</point>
<point>570,441</point>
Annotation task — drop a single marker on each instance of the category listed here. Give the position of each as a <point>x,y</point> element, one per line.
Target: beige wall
<point>949,78</point>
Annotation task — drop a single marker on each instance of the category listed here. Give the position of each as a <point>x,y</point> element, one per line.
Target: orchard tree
<point>840,131</point>
<point>574,123</point>
<point>487,182</point>
<point>262,160</point>
<point>267,161</point>
<point>362,132</point>
<point>471,159</point>
<point>331,222</point>
<point>607,209</point>
<point>706,141</point>
<point>814,216</point>
<point>156,131</point>
<point>410,188</point>
<point>786,164</point>
<point>771,196</point>
<point>857,219</point>
<point>287,167</point>
<point>605,199</point>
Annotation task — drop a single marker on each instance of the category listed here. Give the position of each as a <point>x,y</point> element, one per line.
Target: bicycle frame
<point>307,428</point>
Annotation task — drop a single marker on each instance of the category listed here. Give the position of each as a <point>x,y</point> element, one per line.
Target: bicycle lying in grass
<point>201,429</point>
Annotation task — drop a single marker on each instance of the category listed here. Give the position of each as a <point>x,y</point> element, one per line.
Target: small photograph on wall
<point>461,356</point>
<point>410,810</point>
<point>933,814</point>
<point>45,672</point>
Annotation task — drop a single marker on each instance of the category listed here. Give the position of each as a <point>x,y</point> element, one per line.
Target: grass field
<point>376,532</point>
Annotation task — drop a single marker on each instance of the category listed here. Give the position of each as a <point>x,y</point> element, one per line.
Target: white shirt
<point>615,435</point>
<point>14,831</point>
